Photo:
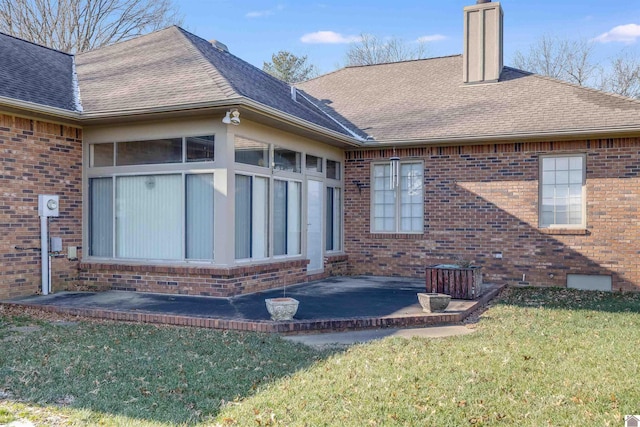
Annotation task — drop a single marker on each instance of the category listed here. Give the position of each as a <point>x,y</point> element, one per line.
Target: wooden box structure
<point>450,279</point>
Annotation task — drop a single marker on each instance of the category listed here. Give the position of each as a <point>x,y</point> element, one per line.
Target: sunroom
<point>196,206</point>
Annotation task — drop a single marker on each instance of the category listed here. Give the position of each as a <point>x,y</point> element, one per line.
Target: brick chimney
<point>482,55</point>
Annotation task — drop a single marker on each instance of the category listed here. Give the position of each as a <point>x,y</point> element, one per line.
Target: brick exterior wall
<point>201,280</point>
<point>37,157</point>
<point>187,280</point>
<point>483,200</point>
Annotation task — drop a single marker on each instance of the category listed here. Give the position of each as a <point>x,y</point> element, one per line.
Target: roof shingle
<point>426,99</point>
<point>37,74</point>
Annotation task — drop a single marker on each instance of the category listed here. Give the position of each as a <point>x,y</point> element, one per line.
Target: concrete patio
<point>333,304</point>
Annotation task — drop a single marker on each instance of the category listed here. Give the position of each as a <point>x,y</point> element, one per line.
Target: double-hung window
<point>562,180</point>
<point>397,198</point>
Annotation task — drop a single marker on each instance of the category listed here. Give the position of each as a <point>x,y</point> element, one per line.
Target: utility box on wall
<point>48,205</point>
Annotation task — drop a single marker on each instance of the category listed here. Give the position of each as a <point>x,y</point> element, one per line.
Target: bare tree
<point>372,50</point>
<point>623,76</point>
<point>569,60</point>
<point>81,25</point>
<point>290,68</point>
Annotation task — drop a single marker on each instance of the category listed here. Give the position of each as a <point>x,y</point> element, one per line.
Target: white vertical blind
<point>294,219</point>
<point>279,217</point>
<point>101,217</point>
<point>199,216</point>
<point>149,217</point>
<point>260,220</point>
<point>243,217</point>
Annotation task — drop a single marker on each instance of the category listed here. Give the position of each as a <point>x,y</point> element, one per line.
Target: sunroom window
<point>159,216</point>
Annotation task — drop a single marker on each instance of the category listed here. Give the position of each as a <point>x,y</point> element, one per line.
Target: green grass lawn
<point>539,357</point>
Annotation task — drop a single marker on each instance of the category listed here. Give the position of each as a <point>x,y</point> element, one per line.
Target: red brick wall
<point>37,157</point>
<point>187,280</point>
<point>481,200</point>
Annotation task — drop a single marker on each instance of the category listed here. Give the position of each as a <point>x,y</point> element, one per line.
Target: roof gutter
<point>275,113</point>
<point>510,137</point>
<point>33,107</point>
<point>231,102</point>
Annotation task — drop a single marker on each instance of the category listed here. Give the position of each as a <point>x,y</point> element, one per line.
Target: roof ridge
<point>119,42</point>
<point>577,86</point>
<point>218,79</point>
<point>36,44</point>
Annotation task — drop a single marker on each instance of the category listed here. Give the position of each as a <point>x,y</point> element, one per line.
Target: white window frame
<point>398,201</point>
<point>583,194</point>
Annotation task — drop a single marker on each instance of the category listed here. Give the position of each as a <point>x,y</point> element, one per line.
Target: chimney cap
<point>482,1</point>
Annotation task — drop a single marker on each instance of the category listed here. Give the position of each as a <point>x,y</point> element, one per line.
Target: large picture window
<point>562,191</point>
<point>398,201</point>
<point>150,217</point>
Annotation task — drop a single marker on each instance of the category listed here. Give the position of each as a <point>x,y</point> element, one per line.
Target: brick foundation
<point>202,280</point>
<point>187,280</point>
<point>483,200</point>
<point>37,157</point>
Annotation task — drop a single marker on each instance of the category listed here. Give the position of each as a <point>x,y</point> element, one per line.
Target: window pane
<point>411,197</point>
<point>337,219</point>
<point>101,155</point>
<point>251,152</point>
<point>243,217</point>
<point>199,216</point>
<point>260,218</point>
<point>329,220</point>
<point>562,191</point>
<point>149,212</point>
<point>101,217</point>
<point>287,160</point>
<point>200,148</point>
<point>294,218</point>
<point>149,152</point>
<point>313,163</point>
<point>333,169</point>
<point>279,217</point>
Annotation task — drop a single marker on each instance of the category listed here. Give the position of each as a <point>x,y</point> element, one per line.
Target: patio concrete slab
<point>356,337</point>
<point>333,304</point>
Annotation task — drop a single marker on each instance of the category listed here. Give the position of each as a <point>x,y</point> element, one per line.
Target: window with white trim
<point>562,180</point>
<point>397,201</point>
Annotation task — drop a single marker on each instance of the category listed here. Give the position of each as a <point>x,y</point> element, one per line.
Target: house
<point>378,170</point>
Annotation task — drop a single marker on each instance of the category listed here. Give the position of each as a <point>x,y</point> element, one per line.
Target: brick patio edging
<point>266,326</point>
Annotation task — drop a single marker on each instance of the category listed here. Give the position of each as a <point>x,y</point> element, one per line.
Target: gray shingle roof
<point>37,74</point>
<point>426,99</point>
<point>173,67</point>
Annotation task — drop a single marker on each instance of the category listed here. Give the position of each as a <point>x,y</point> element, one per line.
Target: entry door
<point>314,226</point>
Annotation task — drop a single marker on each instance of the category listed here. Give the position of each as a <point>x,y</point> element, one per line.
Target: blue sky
<point>253,30</point>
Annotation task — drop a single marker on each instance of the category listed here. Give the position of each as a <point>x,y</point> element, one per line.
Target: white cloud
<point>628,34</point>
<point>264,13</point>
<point>328,37</point>
<point>431,38</point>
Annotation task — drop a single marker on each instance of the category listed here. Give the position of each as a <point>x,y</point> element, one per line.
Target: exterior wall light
<point>232,117</point>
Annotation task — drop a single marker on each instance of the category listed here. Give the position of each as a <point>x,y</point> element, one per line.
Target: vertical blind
<point>149,217</point>
<point>199,216</point>
<point>101,217</point>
